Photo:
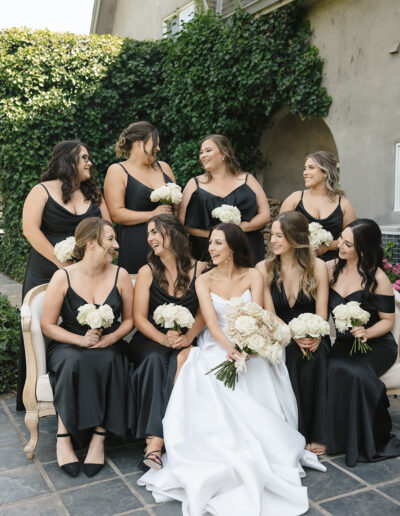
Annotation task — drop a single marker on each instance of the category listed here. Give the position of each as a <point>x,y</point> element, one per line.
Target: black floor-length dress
<point>309,378</point>
<point>153,376</point>
<point>58,223</point>
<point>89,385</point>
<point>133,246</point>
<point>198,215</point>
<point>358,421</point>
<point>333,223</point>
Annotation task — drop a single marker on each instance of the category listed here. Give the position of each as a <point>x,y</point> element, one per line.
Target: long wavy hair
<point>167,224</point>
<point>138,131</point>
<point>329,165</point>
<point>294,226</point>
<point>63,166</point>
<point>368,246</point>
<point>237,242</point>
<point>88,229</point>
<point>225,147</point>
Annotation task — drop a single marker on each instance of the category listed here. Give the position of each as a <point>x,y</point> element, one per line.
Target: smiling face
<point>109,244</point>
<point>312,174</point>
<point>218,248</point>
<point>278,242</point>
<point>346,247</point>
<point>156,240</point>
<point>83,164</point>
<point>210,156</point>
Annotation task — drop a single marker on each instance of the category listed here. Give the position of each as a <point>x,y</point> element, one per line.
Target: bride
<point>231,449</point>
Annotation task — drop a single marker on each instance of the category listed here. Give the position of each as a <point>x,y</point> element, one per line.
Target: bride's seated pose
<point>226,449</point>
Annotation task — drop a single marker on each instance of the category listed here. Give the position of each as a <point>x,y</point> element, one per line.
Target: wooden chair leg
<point>32,424</point>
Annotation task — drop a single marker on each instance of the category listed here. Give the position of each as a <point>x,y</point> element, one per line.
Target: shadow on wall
<point>284,146</point>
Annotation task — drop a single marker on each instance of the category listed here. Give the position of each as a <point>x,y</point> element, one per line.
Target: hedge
<point>9,342</point>
<point>215,77</point>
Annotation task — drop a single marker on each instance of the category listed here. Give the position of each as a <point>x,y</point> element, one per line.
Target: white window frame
<point>181,15</point>
<point>397,180</point>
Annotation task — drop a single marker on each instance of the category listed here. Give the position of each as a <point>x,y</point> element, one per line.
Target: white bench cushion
<point>43,388</point>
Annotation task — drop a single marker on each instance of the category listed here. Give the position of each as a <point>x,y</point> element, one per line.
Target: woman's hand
<point>360,333</point>
<point>233,354</point>
<point>244,225</point>
<point>323,249</point>
<point>306,343</point>
<point>104,342</point>
<point>163,208</point>
<point>90,339</point>
<point>170,338</point>
<point>181,342</point>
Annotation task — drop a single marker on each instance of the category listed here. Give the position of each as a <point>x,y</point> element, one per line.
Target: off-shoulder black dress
<point>58,223</point>
<point>89,385</point>
<point>359,423</point>
<point>198,215</point>
<point>153,376</point>
<point>133,246</point>
<point>309,378</point>
<point>333,223</point>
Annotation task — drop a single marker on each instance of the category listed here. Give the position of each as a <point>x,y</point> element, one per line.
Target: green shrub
<point>215,77</point>
<point>9,343</point>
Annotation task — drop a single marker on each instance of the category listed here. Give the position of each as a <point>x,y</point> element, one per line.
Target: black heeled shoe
<point>92,469</point>
<point>72,468</point>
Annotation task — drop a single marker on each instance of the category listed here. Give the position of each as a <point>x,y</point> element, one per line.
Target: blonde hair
<point>328,163</point>
<point>294,226</point>
<point>225,148</point>
<point>88,229</point>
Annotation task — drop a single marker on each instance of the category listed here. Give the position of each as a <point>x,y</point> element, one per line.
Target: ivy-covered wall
<point>216,77</point>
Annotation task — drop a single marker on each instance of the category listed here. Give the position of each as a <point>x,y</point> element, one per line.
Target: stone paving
<point>39,487</point>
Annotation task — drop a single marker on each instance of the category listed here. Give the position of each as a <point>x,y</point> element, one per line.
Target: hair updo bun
<point>138,131</point>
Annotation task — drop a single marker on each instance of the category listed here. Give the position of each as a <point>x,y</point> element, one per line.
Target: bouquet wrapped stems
<point>228,372</point>
<point>358,344</point>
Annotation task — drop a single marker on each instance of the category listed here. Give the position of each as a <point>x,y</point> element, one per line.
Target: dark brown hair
<point>62,166</point>
<point>294,226</point>
<point>138,131</point>
<point>167,224</point>
<point>225,147</point>
<point>237,242</point>
<point>88,229</point>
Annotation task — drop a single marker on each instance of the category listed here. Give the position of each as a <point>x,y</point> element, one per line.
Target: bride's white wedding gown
<point>232,452</point>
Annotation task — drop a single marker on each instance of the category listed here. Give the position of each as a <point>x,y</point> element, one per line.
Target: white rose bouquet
<point>170,193</point>
<point>319,236</point>
<point>227,213</point>
<point>310,326</point>
<point>64,249</point>
<point>351,315</point>
<point>173,316</point>
<point>253,331</point>
<point>101,317</point>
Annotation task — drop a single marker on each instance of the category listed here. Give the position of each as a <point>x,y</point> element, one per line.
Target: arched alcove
<point>285,144</point>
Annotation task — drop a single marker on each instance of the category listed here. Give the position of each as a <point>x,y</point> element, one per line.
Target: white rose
<point>252,309</point>
<point>340,312</point>
<point>256,343</point>
<point>246,325</point>
<point>227,214</point>
<point>269,319</point>
<point>63,251</point>
<point>169,315</point>
<point>184,319</point>
<point>298,327</point>
<point>107,315</point>
<point>275,353</point>
<point>158,315</point>
<point>84,311</point>
<point>282,334</point>
<point>94,320</point>
<point>163,194</point>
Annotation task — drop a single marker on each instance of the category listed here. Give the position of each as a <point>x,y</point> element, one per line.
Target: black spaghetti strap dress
<point>133,246</point>
<point>198,215</point>
<point>58,223</point>
<point>153,376</point>
<point>89,385</point>
<point>358,421</point>
<point>333,223</point>
<point>309,378</point>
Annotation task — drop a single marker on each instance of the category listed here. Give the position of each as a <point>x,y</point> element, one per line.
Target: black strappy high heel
<point>72,468</point>
<point>154,463</point>
<point>92,469</point>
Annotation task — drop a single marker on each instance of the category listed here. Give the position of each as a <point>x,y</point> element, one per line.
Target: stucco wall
<point>354,38</point>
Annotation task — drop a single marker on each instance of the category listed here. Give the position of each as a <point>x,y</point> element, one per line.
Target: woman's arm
<point>348,212</point>
<point>53,301</point>
<point>125,288</point>
<point>263,216</point>
<point>186,196</point>
<point>104,211</point>
<point>141,310</point>
<point>322,292</point>
<point>268,302</point>
<point>290,203</point>
<point>256,286</point>
<point>32,220</point>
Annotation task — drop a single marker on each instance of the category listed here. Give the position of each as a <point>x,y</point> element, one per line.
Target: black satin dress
<point>359,423</point>
<point>133,246</point>
<point>155,367</point>
<point>58,223</point>
<point>333,223</point>
<point>309,378</point>
<point>89,385</point>
<point>198,215</point>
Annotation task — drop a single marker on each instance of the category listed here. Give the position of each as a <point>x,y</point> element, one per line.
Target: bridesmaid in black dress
<point>296,282</point>
<point>67,195</point>
<point>88,369</point>
<point>359,423</point>
<point>159,353</point>
<point>127,189</point>
<point>325,201</point>
<point>223,182</point>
